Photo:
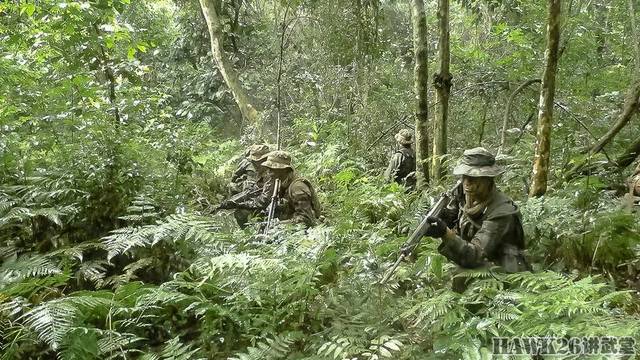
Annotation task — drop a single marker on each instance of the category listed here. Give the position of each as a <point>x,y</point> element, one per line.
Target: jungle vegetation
<point>121,122</point>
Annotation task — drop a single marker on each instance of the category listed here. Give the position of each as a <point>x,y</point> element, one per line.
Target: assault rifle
<point>445,201</point>
<point>271,210</point>
<point>235,201</point>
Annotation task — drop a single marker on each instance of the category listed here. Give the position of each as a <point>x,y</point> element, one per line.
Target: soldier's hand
<point>437,227</point>
<point>226,204</point>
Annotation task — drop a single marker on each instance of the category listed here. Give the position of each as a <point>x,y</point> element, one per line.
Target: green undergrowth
<point>179,284</point>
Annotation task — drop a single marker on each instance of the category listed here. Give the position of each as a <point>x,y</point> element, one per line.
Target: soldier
<point>402,166</point>
<point>486,226</point>
<point>631,199</point>
<point>249,169</point>
<point>247,182</point>
<point>298,200</point>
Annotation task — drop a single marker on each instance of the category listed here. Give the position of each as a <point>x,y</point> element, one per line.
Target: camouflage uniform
<point>247,179</point>
<point>298,199</point>
<point>244,170</point>
<point>402,165</point>
<point>486,233</point>
<point>492,235</point>
<point>632,198</point>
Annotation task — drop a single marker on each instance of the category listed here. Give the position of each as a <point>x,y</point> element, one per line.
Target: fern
<point>175,350</point>
<point>114,345</point>
<point>172,229</point>
<point>51,321</point>
<point>12,271</point>
<point>54,319</point>
<point>269,349</point>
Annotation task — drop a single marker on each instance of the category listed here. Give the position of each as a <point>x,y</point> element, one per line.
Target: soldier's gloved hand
<point>437,227</point>
<point>226,204</point>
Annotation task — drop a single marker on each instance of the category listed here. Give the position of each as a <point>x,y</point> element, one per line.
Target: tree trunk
<point>635,34</point>
<point>421,83</point>
<point>545,108</point>
<point>631,105</point>
<point>483,122</point>
<point>225,67</point>
<point>632,152</point>
<point>442,83</point>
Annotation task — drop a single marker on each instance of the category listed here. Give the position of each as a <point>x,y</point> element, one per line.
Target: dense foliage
<point>118,135</point>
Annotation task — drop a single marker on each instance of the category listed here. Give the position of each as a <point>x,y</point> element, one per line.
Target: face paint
<point>477,188</point>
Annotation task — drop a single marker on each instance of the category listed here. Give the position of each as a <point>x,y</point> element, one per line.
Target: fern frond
<point>115,345</point>
<point>25,267</point>
<point>270,349</point>
<point>173,228</point>
<point>538,281</point>
<point>51,321</point>
<point>424,313</point>
<point>174,349</point>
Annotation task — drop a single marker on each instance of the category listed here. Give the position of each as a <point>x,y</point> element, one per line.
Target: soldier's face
<point>477,187</point>
<point>279,173</point>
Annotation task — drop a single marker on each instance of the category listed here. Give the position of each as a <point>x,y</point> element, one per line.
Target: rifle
<point>271,210</point>
<point>444,202</point>
<point>236,200</point>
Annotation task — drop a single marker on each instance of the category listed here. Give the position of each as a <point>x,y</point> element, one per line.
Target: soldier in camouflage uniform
<point>247,182</point>
<point>249,171</point>
<point>298,200</point>
<point>402,165</point>
<point>632,198</point>
<point>485,227</point>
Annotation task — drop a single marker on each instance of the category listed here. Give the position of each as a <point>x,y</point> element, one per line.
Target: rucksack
<point>406,172</point>
<point>315,202</point>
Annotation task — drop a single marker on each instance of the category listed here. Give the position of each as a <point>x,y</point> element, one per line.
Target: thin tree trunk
<point>279,77</point>
<point>483,123</point>
<point>631,105</point>
<point>421,83</point>
<point>110,76</point>
<point>507,112</point>
<point>442,83</point>
<point>224,65</point>
<point>540,172</point>
<point>635,34</point>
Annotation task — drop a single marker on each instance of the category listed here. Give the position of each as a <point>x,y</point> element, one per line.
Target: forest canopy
<point>122,123</point>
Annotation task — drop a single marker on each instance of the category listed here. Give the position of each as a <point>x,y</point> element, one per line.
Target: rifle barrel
<point>413,240</point>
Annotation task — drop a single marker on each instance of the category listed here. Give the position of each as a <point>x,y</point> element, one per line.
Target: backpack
<point>406,173</point>
<point>315,202</point>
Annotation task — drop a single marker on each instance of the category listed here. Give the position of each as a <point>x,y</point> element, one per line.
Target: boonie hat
<point>258,152</point>
<point>478,162</point>
<point>404,137</point>
<point>278,160</point>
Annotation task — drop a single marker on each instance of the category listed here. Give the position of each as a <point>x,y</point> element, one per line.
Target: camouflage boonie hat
<point>278,160</point>
<point>478,162</point>
<point>404,137</point>
<point>258,152</point>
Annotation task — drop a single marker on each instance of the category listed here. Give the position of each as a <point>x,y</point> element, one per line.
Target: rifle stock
<point>414,240</point>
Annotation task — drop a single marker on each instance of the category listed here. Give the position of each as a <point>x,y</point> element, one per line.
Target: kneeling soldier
<point>298,200</point>
<point>247,183</point>
<point>632,197</point>
<point>486,227</point>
